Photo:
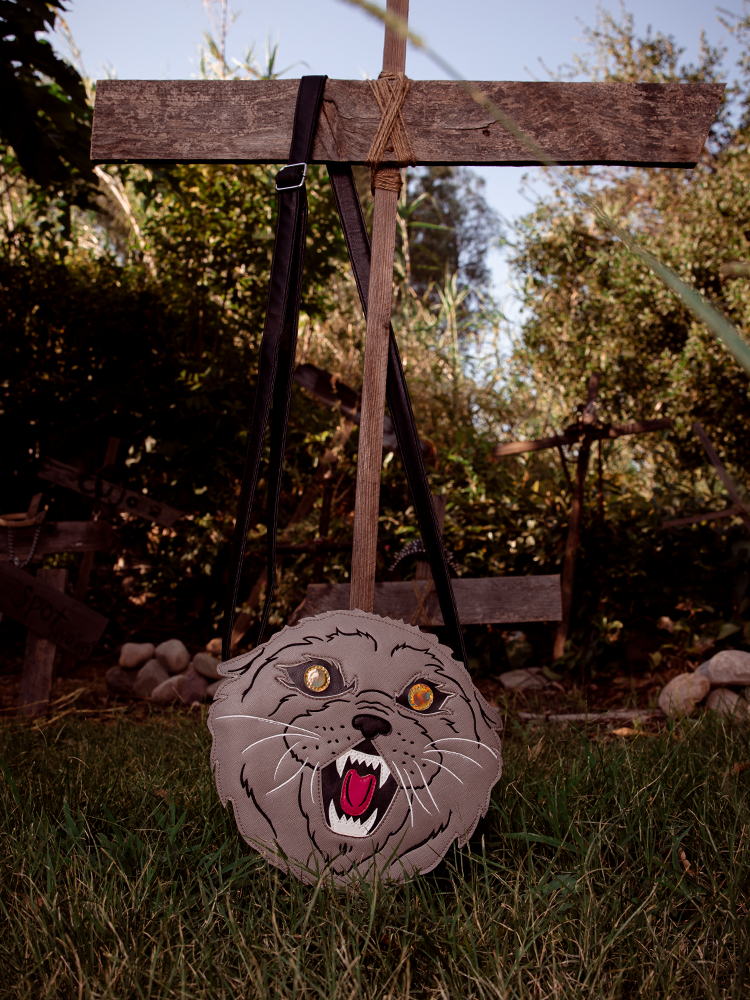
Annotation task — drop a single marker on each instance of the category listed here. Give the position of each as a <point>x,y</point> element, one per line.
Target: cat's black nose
<point>371,726</point>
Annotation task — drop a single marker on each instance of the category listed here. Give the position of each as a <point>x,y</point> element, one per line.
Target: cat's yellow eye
<point>317,678</point>
<point>421,697</point>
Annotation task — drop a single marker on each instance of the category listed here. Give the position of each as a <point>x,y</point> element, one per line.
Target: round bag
<point>351,745</point>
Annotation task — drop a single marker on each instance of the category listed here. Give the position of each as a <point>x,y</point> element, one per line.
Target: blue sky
<point>483,39</point>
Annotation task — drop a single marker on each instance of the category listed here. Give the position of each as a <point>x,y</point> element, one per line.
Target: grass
<point>123,877</point>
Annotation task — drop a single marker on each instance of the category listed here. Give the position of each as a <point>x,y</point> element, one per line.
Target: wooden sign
<point>485,601</point>
<point>210,121</point>
<point>59,536</point>
<point>49,613</point>
<point>118,496</point>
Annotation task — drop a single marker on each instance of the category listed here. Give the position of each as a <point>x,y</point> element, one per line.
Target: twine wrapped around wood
<point>390,90</point>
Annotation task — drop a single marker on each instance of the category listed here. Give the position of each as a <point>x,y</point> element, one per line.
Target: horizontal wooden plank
<point>202,121</point>
<point>118,496</point>
<point>573,436</point>
<point>59,536</point>
<point>49,613</point>
<point>484,601</point>
<point>714,515</point>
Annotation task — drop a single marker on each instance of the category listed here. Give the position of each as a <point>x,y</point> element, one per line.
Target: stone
<point>193,687</point>
<point>150,676</point>
<point>523,680</point>
<point>213,688</point>
<point>173,655</point>
<point>206,665</point>
<point>168,690</point>
<point>727,702</point>
<point>135,654</point>
<point>683,693</point>
<point>731,666</point>
<point>703,668</point>
<point>120,681</point>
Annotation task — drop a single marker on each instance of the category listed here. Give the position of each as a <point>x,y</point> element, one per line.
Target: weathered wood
<point>39,661</point>
<point>574,527</point>
<point>370,450</point>
<point>117,496</point>
<point>646,124</point>
<point>59,536</point>
<point>714,515</point>
<point>49,613</point>
<point>87,561</point>
<point>490,600</point>
<point>573,436</point>
<point>626,714</point>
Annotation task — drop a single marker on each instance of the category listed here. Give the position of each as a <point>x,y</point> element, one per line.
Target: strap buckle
<point>291,187</point>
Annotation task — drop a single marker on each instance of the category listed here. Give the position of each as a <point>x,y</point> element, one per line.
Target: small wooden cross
<point>584,433</point>
<point>638,124</point>
<point>40,603</point>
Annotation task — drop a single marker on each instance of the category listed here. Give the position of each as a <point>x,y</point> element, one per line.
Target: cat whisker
<point>312,793</point>
<point>406,793</point>
<point>414,795</point>
<point>427,789</point>
<point>461,739</point>
<point>276,736</point>
<point>288,779</point>
<point>283,756</point>
<point>273,722</point>
<point>442,767</point>
<point>455,753</point>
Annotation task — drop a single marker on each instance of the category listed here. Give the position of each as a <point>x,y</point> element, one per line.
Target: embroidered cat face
<point>352,741</point>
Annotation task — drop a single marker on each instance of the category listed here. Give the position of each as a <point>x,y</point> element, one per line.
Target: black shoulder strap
<point>277,349</point>
<point>276,370</point>
<point>358,244</point>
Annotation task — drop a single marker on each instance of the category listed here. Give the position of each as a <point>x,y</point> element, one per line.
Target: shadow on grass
<point>602,870</point>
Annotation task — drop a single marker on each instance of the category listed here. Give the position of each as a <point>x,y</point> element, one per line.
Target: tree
<point>44,114</point>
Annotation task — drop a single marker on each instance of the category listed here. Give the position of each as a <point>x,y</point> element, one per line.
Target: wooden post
<point>574,528</point>
<point>370,455</point>
<point>87,560</point>
<point>39,662</point>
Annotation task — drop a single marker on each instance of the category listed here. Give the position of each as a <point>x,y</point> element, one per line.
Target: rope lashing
<point>390,90</point>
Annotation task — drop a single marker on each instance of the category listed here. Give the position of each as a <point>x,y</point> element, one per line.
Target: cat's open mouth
<point>357,789</point>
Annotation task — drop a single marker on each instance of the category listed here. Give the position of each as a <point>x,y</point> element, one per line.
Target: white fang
<point>348,826</point>
<point>368,759</point>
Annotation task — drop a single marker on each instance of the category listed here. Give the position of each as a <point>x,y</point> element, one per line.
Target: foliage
<point>44,114</point>
<point>601,870</point>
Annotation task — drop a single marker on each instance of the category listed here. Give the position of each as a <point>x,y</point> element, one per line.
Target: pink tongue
<point>356,793</point>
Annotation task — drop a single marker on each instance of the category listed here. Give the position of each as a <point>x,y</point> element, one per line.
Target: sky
<point>482,39</point>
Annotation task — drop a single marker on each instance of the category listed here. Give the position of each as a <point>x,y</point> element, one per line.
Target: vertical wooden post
<point>87,559</point>
<point>574,528</point>
<point>39,662</point>
<point>370,454</point>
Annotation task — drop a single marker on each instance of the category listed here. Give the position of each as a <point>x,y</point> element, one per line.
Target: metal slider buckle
<point>291,187</point>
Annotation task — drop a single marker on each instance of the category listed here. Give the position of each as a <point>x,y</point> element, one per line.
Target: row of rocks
<point>716,681</point>
<point>164,673</point>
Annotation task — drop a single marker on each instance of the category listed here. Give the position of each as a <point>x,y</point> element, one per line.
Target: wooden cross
<point>584,433</point>
<point>251,122</point>
<point>40,603</point>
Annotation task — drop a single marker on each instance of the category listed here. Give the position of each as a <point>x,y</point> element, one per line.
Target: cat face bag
<point>351,744</point>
